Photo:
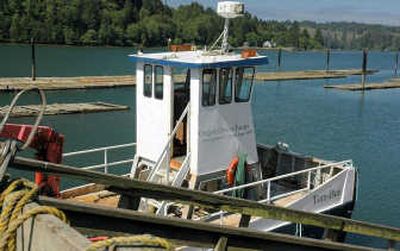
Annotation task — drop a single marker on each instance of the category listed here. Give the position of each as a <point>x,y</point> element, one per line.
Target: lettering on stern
<point>329,196</point>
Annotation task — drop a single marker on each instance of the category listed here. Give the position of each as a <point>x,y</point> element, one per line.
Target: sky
<point>362,11</point>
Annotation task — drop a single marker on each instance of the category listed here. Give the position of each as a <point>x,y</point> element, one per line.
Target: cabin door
<point>181,100</point>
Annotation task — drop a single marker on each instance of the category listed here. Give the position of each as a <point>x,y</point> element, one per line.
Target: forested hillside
<point>150,23</point>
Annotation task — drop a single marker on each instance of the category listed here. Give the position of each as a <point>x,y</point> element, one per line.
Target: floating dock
<point>90,82</point>
<point>65,83</point>
<point>391,84</point>
<point>308,75</point>
<point>58,109</point>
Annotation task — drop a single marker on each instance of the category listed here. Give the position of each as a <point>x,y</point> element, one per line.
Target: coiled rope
<point>13,200</point>
<point>147,241</point>
<point>22,191</point>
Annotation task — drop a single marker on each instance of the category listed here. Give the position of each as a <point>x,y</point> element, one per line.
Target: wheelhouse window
<point>244,78</point>
<point>209,87</point>
<point>148,80</point>
<point>225,86</point>
<point>159,82</point>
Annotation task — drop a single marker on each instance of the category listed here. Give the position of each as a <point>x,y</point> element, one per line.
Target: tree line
<point>150,23</point>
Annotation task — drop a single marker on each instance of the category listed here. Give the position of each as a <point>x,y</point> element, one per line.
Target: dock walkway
<point>308,75</point>
<point>89,82</point>
<point>66,108</point>
<point>391,84</point>
<point>65,83</point>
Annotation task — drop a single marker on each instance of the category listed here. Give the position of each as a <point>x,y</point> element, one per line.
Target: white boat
<point>195,129</point>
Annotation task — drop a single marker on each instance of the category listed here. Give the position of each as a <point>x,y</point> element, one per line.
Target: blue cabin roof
<point>198,59</point>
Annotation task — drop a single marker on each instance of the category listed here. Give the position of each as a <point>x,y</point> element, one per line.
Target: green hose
<point>240,176</point>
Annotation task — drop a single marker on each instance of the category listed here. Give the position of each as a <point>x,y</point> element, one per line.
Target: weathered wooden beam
<point>208,200</point>
<point>94,219</point>
<point>48,233</point>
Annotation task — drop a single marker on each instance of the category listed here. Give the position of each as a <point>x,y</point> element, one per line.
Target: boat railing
<point>316,171</point>
<point>267,184</point>
<point>107,163</point>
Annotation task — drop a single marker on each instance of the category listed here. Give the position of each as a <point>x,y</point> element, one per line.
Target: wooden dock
<point>65,83</point>
<point>308,75</point>
<point>90,82</point>
<point>391,84</point>
<point>66,108</point>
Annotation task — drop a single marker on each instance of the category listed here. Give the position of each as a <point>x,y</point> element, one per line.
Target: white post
<point>105,161</point>
<point>167,160</point>
<point>269,191</point>
<point>309,180</point>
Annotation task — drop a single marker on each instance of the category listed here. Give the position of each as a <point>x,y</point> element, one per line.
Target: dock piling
<point>396,65</point>
<point>364,67</point>
<point>328,59</point>
<point>33,59</point>
<point>279,58</point>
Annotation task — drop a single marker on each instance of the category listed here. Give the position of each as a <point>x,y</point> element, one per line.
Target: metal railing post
<point>168,161</point>
<point>309,180</point>
<point>106,161</point>
<point>269,191</point>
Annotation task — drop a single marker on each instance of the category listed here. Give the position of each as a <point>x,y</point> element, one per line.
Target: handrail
<point>167,145</point>
<point>260,182</point>
<point>100,149</point>
<point>106,164</point>
<point>117,163</point>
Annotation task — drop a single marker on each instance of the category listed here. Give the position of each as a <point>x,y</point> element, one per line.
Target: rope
<point>147,240</point>
<point>12,203</point>
<point>38,118</point>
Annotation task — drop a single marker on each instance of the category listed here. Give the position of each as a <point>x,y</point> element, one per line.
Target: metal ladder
<point>177,182</point>
<point>157,171</point>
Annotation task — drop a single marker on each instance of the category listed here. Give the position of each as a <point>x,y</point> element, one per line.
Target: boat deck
<point>233,220</point>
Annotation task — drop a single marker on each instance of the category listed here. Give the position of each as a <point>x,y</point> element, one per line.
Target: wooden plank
<point>100,220</point>
<point>48,233</point>
<point>66,108</point>
<point>136,188</point>
<point>372,86</point>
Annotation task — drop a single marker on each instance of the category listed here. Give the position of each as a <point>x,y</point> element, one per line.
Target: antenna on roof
<point>228,10</point>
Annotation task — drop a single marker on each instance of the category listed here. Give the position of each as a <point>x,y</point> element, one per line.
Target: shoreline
<point>285,49</point>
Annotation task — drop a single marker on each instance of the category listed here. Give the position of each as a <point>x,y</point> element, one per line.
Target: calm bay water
<point>330,124</point>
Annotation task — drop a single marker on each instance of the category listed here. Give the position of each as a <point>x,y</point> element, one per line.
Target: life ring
<point>231,171</point>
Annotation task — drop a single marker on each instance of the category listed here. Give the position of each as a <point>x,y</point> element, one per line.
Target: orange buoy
<point>231,171</point>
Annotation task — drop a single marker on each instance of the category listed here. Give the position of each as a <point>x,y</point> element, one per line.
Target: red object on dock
<point>49,146</point>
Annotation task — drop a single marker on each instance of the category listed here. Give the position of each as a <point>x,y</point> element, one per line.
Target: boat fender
<point>231,171</point>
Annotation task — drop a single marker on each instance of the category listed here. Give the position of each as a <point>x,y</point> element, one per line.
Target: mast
<point>228,10</point>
